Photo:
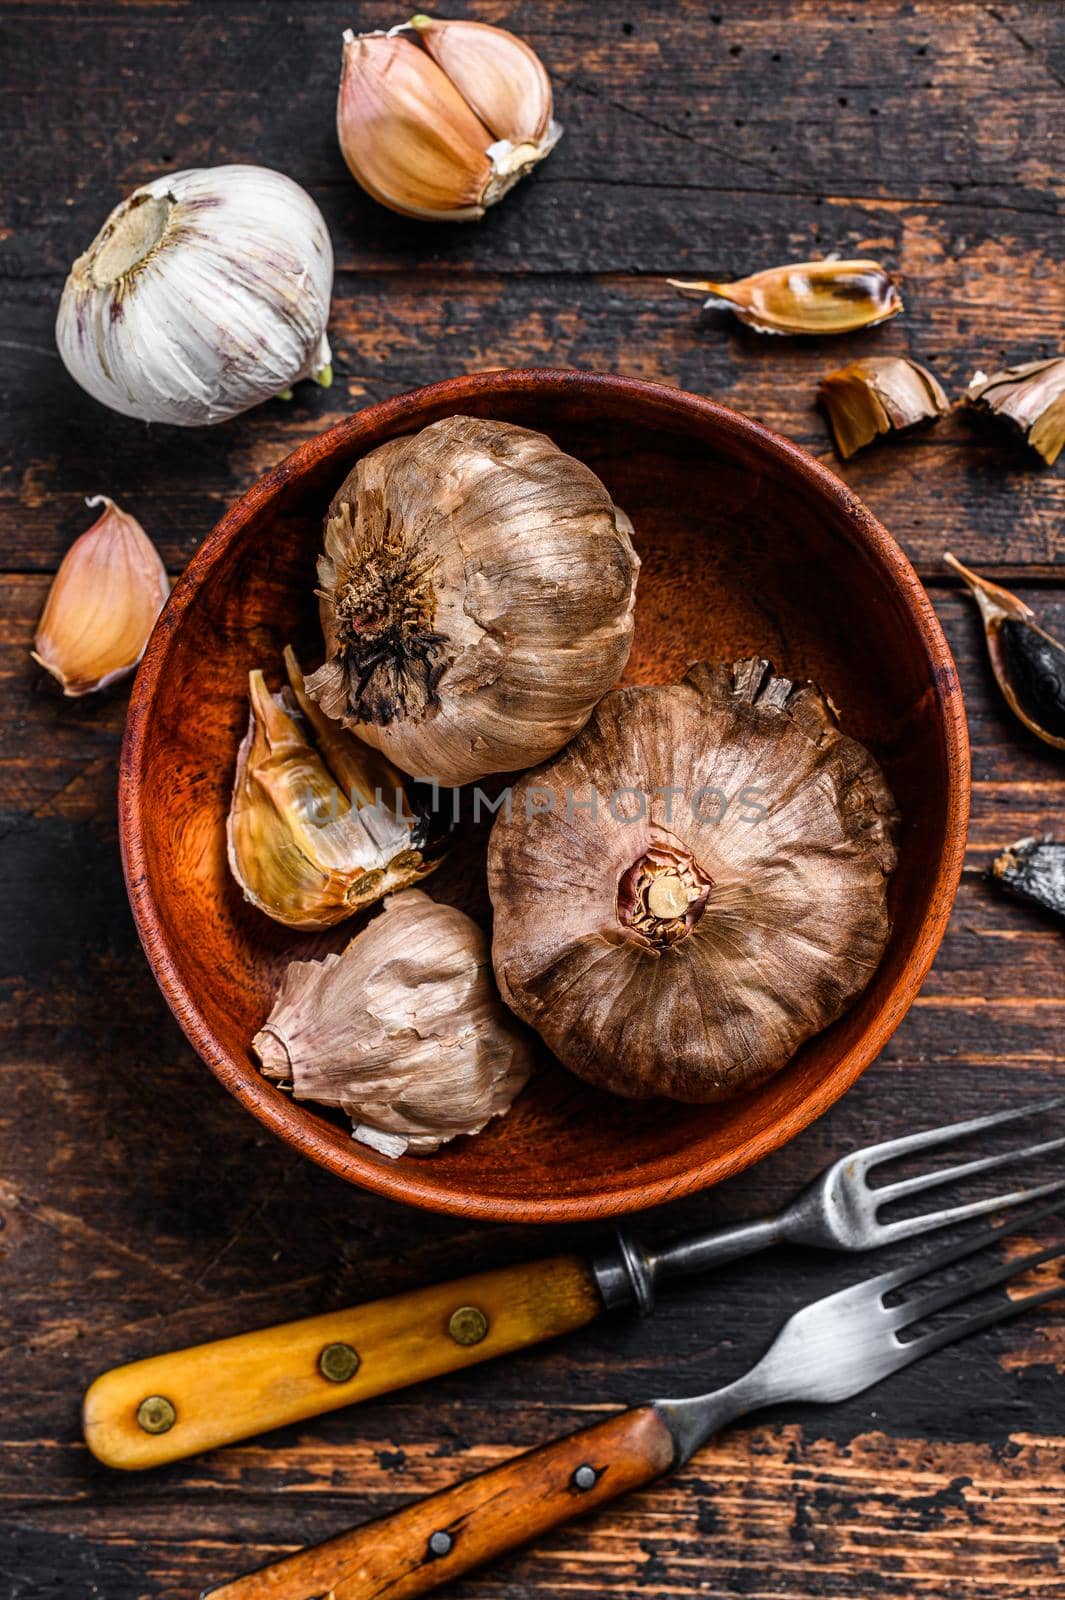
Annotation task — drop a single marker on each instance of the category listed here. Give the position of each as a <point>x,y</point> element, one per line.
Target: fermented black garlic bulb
<point>403,1030</point>
<point>695,885</point>
<point>477,594</point>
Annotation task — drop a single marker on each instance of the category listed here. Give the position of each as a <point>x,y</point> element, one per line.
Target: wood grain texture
<point>475,1521</point>
<point>266,1378</point>
<point>140,1206</point>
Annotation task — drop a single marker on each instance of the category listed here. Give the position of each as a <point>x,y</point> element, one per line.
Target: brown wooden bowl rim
<point>419,1187</point>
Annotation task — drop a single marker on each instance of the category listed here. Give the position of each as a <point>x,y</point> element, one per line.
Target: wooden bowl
<point>748,546</point>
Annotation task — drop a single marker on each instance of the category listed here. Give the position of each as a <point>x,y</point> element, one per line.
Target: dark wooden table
<point>139,1206</point>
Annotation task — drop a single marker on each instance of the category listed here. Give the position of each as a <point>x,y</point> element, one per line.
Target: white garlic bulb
<point>403,1030</point>
<point>204,293</point>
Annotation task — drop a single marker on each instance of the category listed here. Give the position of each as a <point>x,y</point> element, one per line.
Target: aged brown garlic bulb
<point>477,595</point>
<point>403,1030</point>
<point>695,885</point>
<point>319,825</point>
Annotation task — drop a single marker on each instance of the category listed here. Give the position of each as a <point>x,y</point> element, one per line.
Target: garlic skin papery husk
<point>477,594</point>
<point>103,603</point>
<point>812,297</point>
<point>204,293</point>
<point>438,120</point>
<point>879,395</point>
<point>403,1030</point>
<point>1030,399</point>
<point>319,824</point>
<point>695,886</point>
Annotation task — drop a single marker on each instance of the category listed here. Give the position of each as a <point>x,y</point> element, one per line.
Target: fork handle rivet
<point>440,1543</point>
<point>584,1478</point>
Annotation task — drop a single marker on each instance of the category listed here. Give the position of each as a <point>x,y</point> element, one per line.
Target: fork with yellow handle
<point>174,1405</point>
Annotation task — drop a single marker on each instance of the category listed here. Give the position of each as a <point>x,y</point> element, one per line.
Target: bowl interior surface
<point>748,547</point>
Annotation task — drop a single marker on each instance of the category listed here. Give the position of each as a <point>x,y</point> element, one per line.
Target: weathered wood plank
<point>954,485</point>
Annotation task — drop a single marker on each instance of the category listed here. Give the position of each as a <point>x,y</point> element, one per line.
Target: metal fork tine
<point>966,1169</point>
<point>911,1227</point>
<point>925,1305</point>
<point>954,1130</point>
<point>983,1319</point>
<point>924,1265</point>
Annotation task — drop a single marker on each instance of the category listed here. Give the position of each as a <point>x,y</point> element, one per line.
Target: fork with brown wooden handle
<point>828,1351</point>
<point>169,1406</point>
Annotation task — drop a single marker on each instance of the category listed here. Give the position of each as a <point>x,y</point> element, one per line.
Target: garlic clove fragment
<point>438,120</point>
<point>879,395</point>
<point>319,824</point>
<point>812,297</point>
<point>477,593</point>
<point>403,1030</point>
<point>695,885</point>
<point>1028,662</point>
<point>103,604</point>
<point>1030,399</point>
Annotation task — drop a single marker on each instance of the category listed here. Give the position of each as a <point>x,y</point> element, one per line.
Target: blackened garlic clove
<point>879,395</point>
<point>1029,399</point>
<point>812,297</point>
<point>1033,870</point>
<point>1028,662</point>
<point>403,1030</point>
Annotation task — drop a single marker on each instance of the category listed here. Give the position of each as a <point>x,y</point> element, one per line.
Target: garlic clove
<point>500,78</point>
<point>316,831</point>
<point>102,606</point>
<point>814,297</point>
<point>406,133</point>
<point>879,395</point>
<point>1031,398</point>
<point>1033,870</point>
<point>1028,662</point>
<point>403,1030</point>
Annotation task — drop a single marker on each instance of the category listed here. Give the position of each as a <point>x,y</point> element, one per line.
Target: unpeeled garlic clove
<point>1030,398</point>
<point>500,78</point>
<point>1028,662</point>
<point>816,297</point>
<point>878,395</point>
<point>442,132</point>
<point>319,824</point>
<point>102,606</point>
<point>403,1030</point>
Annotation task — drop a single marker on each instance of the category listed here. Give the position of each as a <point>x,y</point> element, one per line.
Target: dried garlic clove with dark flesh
<point>695,885</point>
<point>1030,399</point>
<point>319,825</point>
<point>1033,870</point>
<point>879,395</point>
<point>403,1030</point>
<point>1028,662</point>
<point>816,297</point>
